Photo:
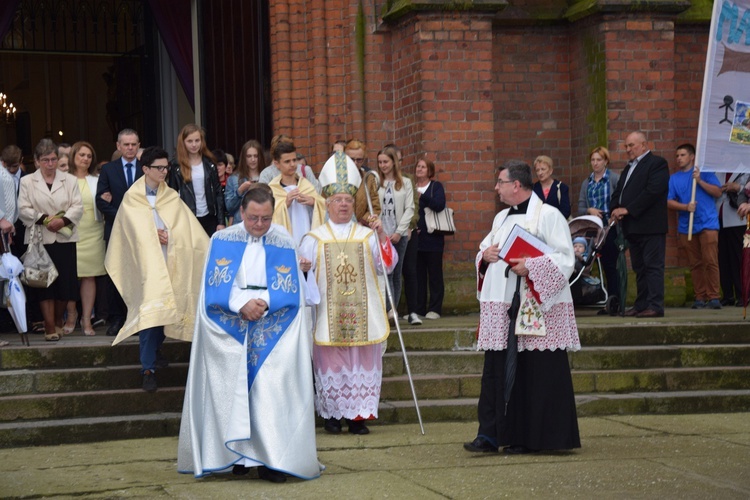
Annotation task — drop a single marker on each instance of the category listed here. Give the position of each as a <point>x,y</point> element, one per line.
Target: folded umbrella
<point>621,266</point>
<point>10,269</point>
<point>511,353</point>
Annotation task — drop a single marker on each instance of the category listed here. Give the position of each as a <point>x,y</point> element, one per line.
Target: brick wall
<point>470,93</point>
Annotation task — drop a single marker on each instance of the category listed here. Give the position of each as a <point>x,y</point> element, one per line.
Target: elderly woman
<point>548,189</point>
<point>49,201</point>
<point>90,247</point>
<point>594,199</point>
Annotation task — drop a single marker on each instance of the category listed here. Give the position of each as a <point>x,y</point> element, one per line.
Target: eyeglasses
<point>505,182</point>
<point>358,160</point>
<point>160,168</point>
<point>345,201</point>
<point>254,219</point>
<point>47,161</point>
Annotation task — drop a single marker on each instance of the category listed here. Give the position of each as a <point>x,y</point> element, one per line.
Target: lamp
<point>7,109</point>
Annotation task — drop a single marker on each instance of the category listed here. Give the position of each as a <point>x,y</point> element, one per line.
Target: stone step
<point>588,358</point>
<point>429,387</point>
<point>109,428</point>
<point>661,403</point>
<point>130,399</point>
<point>86,379</point>
<point>77,352</point>
<point>90,404</point>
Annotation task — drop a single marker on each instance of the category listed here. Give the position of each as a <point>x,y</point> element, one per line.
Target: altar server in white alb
<point>249,398</point>
<point>541,412</point>
<point>351,323</point>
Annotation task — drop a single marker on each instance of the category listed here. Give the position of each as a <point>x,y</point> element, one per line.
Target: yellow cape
<point>281,212</point>
<point>157,293</point>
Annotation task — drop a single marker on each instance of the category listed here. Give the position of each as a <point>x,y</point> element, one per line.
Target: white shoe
<point>414,319</point>
<point>390,314</point>
<point>432,315</point>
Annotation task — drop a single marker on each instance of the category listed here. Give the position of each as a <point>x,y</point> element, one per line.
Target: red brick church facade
<point>474,83</point>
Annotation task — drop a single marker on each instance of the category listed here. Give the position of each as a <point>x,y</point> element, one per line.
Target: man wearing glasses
<point>249,398</point>
<point>155,258</point>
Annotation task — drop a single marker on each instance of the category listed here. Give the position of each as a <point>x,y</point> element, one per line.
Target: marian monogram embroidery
<point>284,280</point>
<point>221,273</point>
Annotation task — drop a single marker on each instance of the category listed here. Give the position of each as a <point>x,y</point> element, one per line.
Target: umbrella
<point>511,353</point>
<point>622,265</point>
<point>10,269</point>
<point>746,268</point>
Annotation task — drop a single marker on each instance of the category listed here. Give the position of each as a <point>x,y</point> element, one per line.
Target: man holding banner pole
<point>702,250</point>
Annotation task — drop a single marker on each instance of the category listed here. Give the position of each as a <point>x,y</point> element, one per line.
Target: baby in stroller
<point>587,289</point>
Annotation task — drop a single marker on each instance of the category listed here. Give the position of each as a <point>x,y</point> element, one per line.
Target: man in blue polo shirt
<point>703,249</point>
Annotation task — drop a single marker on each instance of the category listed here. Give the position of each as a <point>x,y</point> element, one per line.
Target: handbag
<point>38,269</point>
<point>439,222</point>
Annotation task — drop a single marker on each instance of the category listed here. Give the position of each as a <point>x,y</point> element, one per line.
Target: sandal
<point>67,330</point>
<point>89,332</point>
<point>37,327</point>
<point>52,337</point>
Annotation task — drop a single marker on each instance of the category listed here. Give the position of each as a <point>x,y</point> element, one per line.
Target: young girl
<point>194,176</point>
<point>397,208</point>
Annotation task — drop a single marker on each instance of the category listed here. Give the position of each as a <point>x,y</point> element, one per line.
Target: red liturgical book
<point>522,244</point>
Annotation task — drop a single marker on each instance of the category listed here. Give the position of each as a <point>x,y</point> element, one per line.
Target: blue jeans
<point>394,279</point>
<point>150,341</point>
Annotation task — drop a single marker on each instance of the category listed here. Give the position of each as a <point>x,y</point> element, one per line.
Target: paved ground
<point>692,456</point>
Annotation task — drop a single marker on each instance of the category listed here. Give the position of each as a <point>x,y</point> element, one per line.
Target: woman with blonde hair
<point>90,248</point>
<point>396,195</point>
<point>194,176</point>
<point>594,199</point>
<point>548,189</point>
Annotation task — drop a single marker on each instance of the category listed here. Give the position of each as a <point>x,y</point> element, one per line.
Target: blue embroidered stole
<point>224,262</point>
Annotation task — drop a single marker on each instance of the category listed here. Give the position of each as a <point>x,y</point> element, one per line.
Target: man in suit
<point>115,179</point>
<point>639,203</point>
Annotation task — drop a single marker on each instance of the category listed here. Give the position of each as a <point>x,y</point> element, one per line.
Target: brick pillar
<point>444,108</point>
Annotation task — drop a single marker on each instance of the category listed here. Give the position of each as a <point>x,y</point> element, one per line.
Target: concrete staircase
<point>81,389</point>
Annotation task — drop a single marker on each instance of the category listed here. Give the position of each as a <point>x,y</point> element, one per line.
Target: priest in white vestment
<point>249,398</point>
<point>351,325</point>
<point>541,412</point>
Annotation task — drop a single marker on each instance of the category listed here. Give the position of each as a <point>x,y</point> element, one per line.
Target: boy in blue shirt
<point>703,249</point>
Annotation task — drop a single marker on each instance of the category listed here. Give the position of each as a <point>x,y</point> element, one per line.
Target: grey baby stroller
<point>586,284</point>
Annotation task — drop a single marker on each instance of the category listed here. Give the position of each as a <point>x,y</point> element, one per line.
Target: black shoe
<point>271,475</point>
<point>358,427</point>
<point>728,302</point>
<point>332,425</point>
<point>518,450</point>
<point>149,381</point>
<point>161,361</point>
<point>480,445</point>
<point>114,328</point>
<point>602,312</point>
<point>240,470</point>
